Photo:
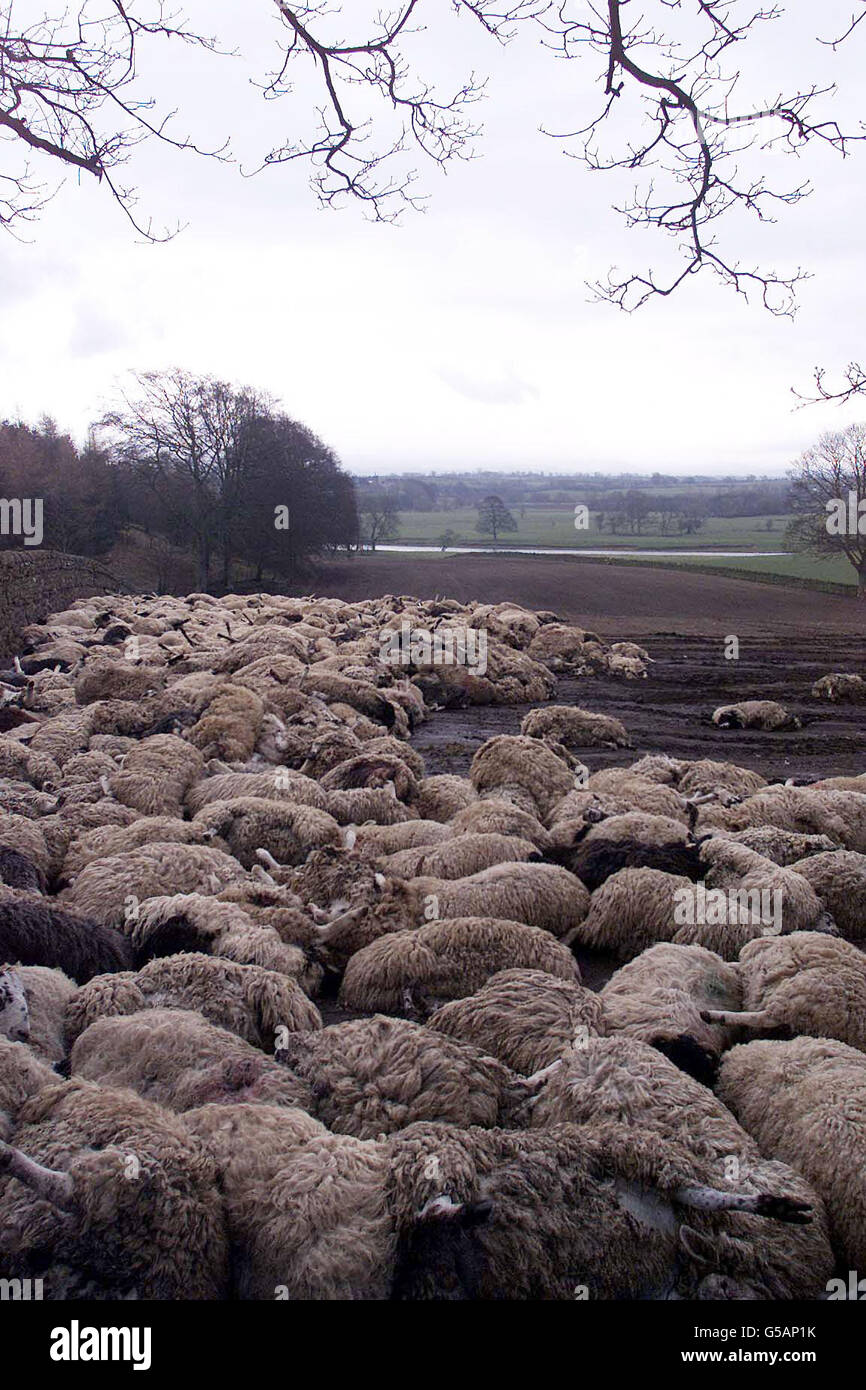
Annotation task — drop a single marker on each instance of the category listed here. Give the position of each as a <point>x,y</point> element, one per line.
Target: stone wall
<point>34,583</point>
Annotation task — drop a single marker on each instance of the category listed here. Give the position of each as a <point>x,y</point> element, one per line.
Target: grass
<point>554,526</point>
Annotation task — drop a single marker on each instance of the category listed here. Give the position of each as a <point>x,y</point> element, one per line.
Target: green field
<point>834,571</point>
<point>554,526</point>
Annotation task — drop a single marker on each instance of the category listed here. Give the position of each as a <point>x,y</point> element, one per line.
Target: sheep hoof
<point>784,1209</point>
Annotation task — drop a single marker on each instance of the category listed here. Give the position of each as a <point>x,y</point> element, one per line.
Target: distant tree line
<point>211,469</point>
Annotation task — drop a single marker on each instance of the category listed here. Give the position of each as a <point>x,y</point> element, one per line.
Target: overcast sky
<point>465,337</point>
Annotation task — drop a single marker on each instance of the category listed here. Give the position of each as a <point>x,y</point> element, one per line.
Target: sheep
<point>839,814</point>
<point>107,840</point>
<point>20,799</point>
<point>575,728</point>
<point>177,1059</point>
<point>540,895</point>
<point>375,840</point>
<point>710,776</point>
<point>156,775</point>
<point>522,771</point>
<point>164,926</point>
<point>839,879</point>
<point>14,1007</point>
<point>616,790</point>
<point>28,765</point>
<point>254,1003</point>
<point>360,695</point>
<point>360,804</point>
<point>805,983</point>
<point>635,839</point>
<point>22,1074</point>
<point>840,686</point>
<point>230,726</point>
<point>326,749</point>
<point>492,817</point>
<point>804,1103</point>
<point>46,992</point>
<point>108,890</point>
<point>376,1075</point>
<point>281,785</point>
<point>525,1018</point>
<point>662,998</point>
<point>17,870</point>
<point>620,1080</point>
<point>443,796</point>
<point>116,679</point>
<point>459,857</point>
<point>287,832</point>
<point>767,715</point>
<point>447,960</point>
<point>108,1196</point>
<point>796,905</point>
<point>784,847</point>
<point>630,911</point>
<point>372,770</point>
<point>33,932</point>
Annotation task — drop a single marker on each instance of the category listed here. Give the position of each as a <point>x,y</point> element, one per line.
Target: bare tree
<point>493,517</point>
<point>672,80</point>
<point>380,518</point>
<point>827,489</point>
<point>68,91</point>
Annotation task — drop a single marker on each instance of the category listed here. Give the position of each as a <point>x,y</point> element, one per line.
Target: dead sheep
<point>157,774</point>
<point>575,728</point>
<point>441,797</point>
<point>630,911</point>
<point>22,1074</point>
<point>727,1252</point>
<point>286,832</point>
<point>109,890</point>
<point>540,895</point>
<point>360,695</point>
<point>55,741</point>
<point>359,804</point>
<point>840,687</point>
<point>36,932</point>
<point>107,1196</point>
<point>116,679</point>
<point>20,799</point>
<point>46,992</point>
<point>617,790</point>
<point>791,903</point>
<point>492,817</point>
<point>164,926</point>
<point>230,726</point>
<point>806,983</point>
<point>372,770</point>
<point>662,998</point>
<point>447,960</point>
<point>635,840</point>
<point>526,1018</point>
<point>258,1005</point>
<point>14,1006</point>
<point>804,1103</point>
<point>766,715</point>
<point>281,785</point>
<point>374,840</point>
<point>839,879</point>
<point>784,847</point>
<point>178,1060</point>
<point>25,764</point>
<point>708,776</point>
<point>327,748</point>
<point>373,1076</point>
<point>459,857</point>
<point>522,771</point>
<point>107,840</point>
<point>18,867</point>
<point>839,814</point>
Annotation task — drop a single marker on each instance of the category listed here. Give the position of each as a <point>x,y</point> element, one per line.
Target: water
<point>577,552</point>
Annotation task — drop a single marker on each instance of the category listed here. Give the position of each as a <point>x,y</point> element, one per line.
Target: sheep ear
<point>350,835</point>
<point>51,1184</point>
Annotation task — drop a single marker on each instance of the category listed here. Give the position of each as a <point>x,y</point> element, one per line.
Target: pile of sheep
<point>283,1017</point>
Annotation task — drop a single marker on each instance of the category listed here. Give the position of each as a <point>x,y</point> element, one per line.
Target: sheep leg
<point>757,1018</point>
<point>50,1184</point>
<point>760,1203</point>
<point>267,858</point>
